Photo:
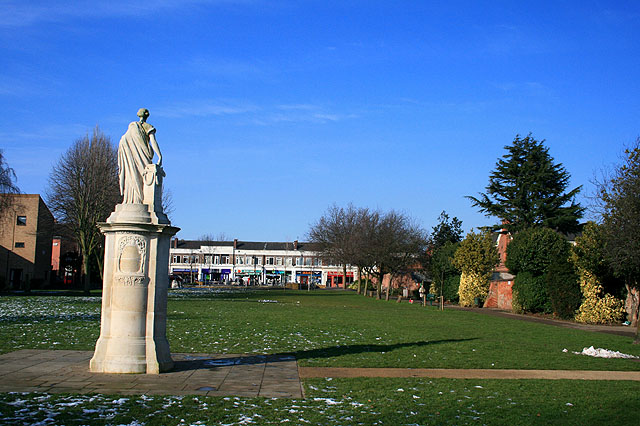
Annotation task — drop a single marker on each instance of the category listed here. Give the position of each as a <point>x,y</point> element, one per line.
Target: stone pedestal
<point>136,278</point>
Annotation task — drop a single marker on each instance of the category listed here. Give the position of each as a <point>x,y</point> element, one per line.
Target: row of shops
<point>261,276</point>
<point>251,263</point>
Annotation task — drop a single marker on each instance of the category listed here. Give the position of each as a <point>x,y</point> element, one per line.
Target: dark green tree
<point>530,256</point>
<point>447,230</point>
<point>442,244</point>
<point>445,275</point>
<point>528,189</point>
<point>590,254</point>
<point>534,249</point>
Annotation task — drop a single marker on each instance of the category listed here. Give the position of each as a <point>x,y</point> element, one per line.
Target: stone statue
<point>137,234</point>
<point>135,153</point>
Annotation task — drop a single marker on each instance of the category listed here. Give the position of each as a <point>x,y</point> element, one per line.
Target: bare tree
<point>168,206</point>
<point>396,246</point>
<point>7,182</point>
<point>211,237</point>
<point>405,248</point>
<point>83,190</point>
<point>340,237</point>
<point>376,243</point>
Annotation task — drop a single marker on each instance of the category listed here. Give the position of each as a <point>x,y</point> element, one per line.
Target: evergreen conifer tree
<point>527,189</point>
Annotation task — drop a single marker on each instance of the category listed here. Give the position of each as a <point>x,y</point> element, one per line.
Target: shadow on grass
<point>186,362</point>
<point>334,351</point>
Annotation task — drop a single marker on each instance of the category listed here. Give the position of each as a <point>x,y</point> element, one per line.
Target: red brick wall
<point>500,295</point>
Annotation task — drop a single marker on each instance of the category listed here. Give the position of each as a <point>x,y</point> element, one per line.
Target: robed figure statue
<point>135,152</point>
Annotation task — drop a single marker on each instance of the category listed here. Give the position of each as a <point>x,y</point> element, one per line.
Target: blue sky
<point>267,112</point>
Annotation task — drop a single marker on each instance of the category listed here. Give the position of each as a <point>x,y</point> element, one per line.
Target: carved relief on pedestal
<point>131,261</point>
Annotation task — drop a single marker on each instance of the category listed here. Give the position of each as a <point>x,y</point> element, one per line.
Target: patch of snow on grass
<point>604,353</point>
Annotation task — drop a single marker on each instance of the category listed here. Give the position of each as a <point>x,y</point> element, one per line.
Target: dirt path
<point>319,372</point>
<point>619,330</point>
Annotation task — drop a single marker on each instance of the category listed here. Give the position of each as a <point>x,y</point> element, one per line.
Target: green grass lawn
<point>322,329</point>
<point>336,329</point>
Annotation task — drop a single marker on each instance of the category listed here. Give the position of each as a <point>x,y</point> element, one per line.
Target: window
<point>259,258</point>
<point>207,259</point>
<point>194,259</point>
<point>307,261</point>
<point>176,259</point>
<point>279,261</point>
<point>216,260</point>
<point>185,259</point>
<point>19,244</point>
<point>21,221</point>
<point>289,261</point>
<point>271,261</point>
<point>299,261</point>
<point>317,262</point>
<point>225,259</point>
<point>240,260</point>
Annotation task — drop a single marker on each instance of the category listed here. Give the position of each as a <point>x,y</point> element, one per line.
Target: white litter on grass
<point>603,353</point>
<point>328,401</point>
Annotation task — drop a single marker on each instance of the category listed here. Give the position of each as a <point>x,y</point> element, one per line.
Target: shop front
<point>249,276</point>
<point>214,275</point>
<point>304,277</point>
<point>335,279</point>
<point>275,277</point>
<point>187,275</point>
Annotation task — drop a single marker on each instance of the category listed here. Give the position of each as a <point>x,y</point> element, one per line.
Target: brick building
<point>26,230</point>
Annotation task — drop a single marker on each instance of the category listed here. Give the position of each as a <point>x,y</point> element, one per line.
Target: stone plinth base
<point>134,296</point>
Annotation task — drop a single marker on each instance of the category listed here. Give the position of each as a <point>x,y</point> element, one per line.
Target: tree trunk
<point>86,273</point>
<point>366,285</point>
<point>386,297</point>
<point>632,306</point>
<point>344,275</point>
<point>379,286</point>
<point>632,303</point>
<point>100,260</point>
<point>359,279</point>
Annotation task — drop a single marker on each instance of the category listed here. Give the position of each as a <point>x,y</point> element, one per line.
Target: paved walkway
<point>270,376</point>
<point>193,374</point>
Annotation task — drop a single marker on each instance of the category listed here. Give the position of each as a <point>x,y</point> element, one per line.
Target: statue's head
<point>143,113</point>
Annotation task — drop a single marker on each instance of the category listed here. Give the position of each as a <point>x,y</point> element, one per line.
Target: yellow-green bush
<point>596,307</point>
<point>473,285</point>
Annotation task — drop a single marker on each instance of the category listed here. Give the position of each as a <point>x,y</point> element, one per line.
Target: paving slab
<point>33,370</point>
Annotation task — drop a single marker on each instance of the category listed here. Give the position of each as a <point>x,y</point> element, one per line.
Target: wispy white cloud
<point>205,109</point>
<point>20,13</point>
<point>529,88</point>
<point>206,66</point>
<point>252,113</point>
<point>43,135</point>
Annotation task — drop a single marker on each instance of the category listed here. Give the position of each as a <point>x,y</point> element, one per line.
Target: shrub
<point>451,287</point>
<point>563,287</point>
<point>534,249</point>
<point>596,307</point>
<point>530,294</point>
<point>473,286</point>
<point>475,258</point>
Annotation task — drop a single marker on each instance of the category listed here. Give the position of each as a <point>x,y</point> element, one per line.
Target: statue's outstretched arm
<point>155,147</point>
